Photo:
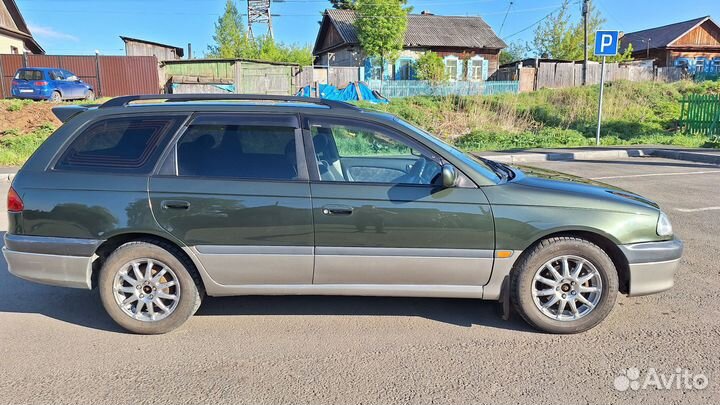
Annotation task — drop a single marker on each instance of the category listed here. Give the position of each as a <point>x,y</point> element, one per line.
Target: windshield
<point>491,172</point>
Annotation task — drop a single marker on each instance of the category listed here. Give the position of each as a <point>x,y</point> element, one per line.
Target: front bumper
<point>63,262</point>
<point>652,265</point>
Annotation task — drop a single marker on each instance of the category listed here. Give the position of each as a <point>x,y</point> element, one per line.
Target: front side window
<point>348,152</point>
<point>238,151</point>
<point>127,144</point>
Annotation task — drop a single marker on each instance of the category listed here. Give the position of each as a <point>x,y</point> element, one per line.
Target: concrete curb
<point>688,156</point>
<point>579,155</point>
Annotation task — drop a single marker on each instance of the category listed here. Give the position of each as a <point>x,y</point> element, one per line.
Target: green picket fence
<point>700,114</point>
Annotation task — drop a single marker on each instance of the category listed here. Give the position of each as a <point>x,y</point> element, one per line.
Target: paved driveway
<point>57,345</point>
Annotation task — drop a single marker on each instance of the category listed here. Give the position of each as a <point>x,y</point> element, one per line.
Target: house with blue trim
<point>468,46</point>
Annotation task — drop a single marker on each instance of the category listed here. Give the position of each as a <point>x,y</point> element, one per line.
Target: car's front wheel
<point>90,95</point>
<point>149,287</point>
<point>564,285</point>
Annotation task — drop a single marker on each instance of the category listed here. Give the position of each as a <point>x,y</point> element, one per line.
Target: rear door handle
<point>334,209</point>
<point>175,204</point>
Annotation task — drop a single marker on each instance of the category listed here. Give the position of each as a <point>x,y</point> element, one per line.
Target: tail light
<point>15,83</point>
<point>41,83</point>
<point>14,202</point>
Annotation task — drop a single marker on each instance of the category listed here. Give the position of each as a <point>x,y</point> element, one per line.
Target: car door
<point>382,216</point>
<point>235,192</point>
<point>57,81</point>
<point>75,86</point>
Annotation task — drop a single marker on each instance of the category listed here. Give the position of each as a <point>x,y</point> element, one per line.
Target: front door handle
<point>175,204</point>
<point>335,209</point>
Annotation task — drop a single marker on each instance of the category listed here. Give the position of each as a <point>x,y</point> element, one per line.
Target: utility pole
<point>585,11</point>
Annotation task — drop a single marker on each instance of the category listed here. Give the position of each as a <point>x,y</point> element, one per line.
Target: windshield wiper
<point>500,170</point>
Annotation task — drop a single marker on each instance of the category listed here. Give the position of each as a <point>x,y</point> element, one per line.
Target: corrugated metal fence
<point>108,75</point>
<point>408,88</point>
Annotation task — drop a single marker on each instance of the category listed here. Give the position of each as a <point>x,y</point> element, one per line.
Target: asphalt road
<point>58,346</point>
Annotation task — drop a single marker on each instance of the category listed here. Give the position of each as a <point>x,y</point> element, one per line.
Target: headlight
<point>664,227</point>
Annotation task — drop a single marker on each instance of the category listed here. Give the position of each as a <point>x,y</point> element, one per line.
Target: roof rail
<point>125,100</point>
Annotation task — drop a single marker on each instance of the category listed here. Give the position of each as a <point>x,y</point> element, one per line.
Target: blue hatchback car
<point>50,84</point>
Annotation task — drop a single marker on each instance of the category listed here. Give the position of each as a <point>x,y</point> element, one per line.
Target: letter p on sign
<point>606,43</point>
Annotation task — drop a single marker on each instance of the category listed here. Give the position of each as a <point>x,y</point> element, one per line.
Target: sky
<point>80,27</point>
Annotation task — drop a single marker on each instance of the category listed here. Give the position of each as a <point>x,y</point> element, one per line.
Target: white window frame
<point>454,67</point>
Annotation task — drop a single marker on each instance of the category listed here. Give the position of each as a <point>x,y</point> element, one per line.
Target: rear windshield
<point>29,75</point>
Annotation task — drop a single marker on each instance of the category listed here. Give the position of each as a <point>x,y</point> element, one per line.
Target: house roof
<point>178,50</point>
<point>660,37</point>
<point>423,30</point>
<point>13,24</point>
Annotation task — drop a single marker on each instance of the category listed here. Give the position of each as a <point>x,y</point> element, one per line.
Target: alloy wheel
<point>146,289</point>
<point>567,288</point>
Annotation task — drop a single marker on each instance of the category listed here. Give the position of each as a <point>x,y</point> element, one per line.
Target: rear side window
<point>29,75</point>
<point>238,151</point>
<point>127,145</point>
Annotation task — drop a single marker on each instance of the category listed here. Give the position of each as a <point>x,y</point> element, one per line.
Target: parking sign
<point>606,43</point>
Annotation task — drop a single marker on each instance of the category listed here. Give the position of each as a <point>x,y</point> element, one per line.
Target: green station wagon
<point>159,200</point>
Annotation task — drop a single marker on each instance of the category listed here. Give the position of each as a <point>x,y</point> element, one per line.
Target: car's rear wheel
<point>149,287</point>
<point>90,95</point>
<point>564,285</point>
<point>55,97</point>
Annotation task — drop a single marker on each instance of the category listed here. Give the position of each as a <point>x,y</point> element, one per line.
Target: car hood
<point>578,190</point>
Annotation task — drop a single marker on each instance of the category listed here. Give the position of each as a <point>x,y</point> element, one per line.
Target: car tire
<point>562,301</point>
<point>56,97</point>
<point>90,95</point>
<point>125,285</point>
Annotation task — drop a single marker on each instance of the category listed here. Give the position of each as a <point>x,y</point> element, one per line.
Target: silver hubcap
<point>146,290</point>
<point>567,288</point>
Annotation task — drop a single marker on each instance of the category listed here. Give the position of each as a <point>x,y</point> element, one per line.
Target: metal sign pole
<point>600,103</point>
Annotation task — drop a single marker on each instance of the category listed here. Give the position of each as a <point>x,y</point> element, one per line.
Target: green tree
<point>562,37</point>
<point>343,4</point>
<point>430,66</point>
<point>381,26</point>
<point>352,4</point>
<point>269,50</point>
<point>230,38</point>
<point>515,51</point>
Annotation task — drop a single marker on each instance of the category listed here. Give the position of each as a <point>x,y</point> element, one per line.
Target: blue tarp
<point>349,93</point>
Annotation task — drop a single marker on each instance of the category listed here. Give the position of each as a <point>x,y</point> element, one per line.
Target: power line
<point>505,18</point>
<point>533,24</point>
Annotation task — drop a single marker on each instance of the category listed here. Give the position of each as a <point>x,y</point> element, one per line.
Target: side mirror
<point>449,175</point>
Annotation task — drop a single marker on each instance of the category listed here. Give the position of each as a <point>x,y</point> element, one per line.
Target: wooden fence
<point>223,76</point>
<point>337,76</point>
<point>700,114</point>
<point>557,75</point>
<point>109,76</point>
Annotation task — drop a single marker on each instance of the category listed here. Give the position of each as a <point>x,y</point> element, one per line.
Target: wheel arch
<point>105,249</point>
<point>603,241</point>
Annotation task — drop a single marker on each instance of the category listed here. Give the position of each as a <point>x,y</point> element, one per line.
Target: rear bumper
<point>63,262</point>
<point>652,265</point>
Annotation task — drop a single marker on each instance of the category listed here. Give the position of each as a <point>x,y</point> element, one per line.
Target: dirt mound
<point>28,118</point>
